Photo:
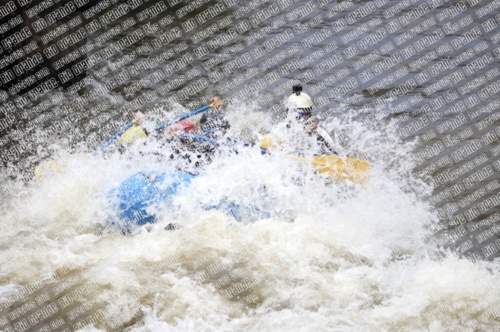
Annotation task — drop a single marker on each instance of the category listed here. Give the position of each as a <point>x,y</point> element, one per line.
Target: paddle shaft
<point>198,138</point>
<point>182,117</point>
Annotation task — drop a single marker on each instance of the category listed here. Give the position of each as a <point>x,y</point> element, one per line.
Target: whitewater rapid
<point>333,256</point>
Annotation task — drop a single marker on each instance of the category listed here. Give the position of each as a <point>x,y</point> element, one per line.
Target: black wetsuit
<point>214,120</point>
<point>193,152</point>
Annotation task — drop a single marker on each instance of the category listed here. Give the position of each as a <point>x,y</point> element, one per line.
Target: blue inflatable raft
<point>137,198</point>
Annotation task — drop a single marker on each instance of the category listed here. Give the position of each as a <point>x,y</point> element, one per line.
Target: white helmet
<point>302,100</point>
<point>299,100</point>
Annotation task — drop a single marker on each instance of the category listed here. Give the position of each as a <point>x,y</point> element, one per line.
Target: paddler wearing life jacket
<point>213,123</point>
<point>303,104</point>
<point>134,132</point>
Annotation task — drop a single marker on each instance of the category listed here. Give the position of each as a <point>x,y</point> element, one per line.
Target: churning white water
<point>328,255</point>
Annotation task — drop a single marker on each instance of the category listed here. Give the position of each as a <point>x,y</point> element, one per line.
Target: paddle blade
<point>352,169</point>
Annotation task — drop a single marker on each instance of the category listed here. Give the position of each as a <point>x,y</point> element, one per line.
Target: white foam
<point>355,257</point>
